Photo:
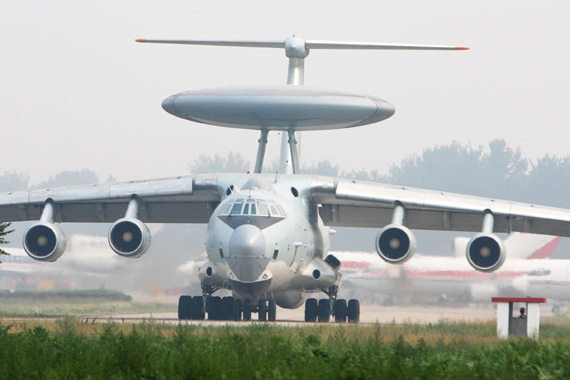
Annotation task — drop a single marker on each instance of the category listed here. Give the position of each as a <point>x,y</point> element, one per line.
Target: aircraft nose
<point>247,253</point>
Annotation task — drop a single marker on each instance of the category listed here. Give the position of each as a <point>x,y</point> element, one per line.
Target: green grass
<point>82,302</point>
<point>70,349</point>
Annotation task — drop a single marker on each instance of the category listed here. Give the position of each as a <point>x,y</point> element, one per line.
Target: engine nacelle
<point>44,242</point>
<point>395,244</point>
<point>486,252</point>
<point>129,237</point>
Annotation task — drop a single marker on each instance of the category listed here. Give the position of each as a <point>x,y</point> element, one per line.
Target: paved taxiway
<point>369,314</point>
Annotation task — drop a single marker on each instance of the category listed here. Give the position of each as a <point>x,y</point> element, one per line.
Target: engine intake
<point>44,242</point>
<point>395,244</point>
<point>129,237</point>
<point>486,252</point>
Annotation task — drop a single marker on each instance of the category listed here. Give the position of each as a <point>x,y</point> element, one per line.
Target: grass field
<point>71,349</point>
<point>79,302</point>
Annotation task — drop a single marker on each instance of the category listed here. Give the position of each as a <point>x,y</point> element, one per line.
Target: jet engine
<point>486,252</point>
<point>395,244</point>
<point>44,242</point>
<point>129,237</point>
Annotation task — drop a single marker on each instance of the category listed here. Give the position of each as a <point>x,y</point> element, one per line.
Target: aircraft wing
<point>349,203</point>
<point>186,199</point>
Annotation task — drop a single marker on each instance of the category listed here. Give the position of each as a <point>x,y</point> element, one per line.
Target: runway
<point>369,315</point>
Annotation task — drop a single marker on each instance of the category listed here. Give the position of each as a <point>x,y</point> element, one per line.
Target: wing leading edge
<point>365,204</point>
<point>187,199</point>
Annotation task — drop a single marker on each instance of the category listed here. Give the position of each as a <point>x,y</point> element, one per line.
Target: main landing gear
<point>322,310</point>
<point>224,309</point>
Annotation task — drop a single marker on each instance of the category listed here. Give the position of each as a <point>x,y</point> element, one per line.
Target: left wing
<point>187,199</point>
<point>351,203</point>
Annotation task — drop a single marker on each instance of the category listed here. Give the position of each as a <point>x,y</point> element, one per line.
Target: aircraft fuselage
<point>266,241</point>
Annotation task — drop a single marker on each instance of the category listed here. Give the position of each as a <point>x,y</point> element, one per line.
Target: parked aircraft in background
<point>527,272</point>
<point>268,234</point>
<point>83,267</point>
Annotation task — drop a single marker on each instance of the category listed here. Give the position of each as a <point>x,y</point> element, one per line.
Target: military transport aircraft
<point>268,233</point>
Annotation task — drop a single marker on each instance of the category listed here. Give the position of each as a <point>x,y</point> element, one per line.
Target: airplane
<point>450,279</point>
<point>268,233</point>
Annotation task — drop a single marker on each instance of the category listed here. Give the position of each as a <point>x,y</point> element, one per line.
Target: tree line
<point>496,171</point>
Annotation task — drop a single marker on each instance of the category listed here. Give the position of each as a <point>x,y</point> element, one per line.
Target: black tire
<point>555,309</point>
<point>311,310</point>
<point>214,307</point>
<point>237,310</point>
<point>262,310</point>
<point>246,310</point>
<point>323,310</point>
<point>353,311</point>
<point>340,311</point>
<point>184,307</point>
<point>227,308</point>
<point>272,311</point>
<point>196,309</point>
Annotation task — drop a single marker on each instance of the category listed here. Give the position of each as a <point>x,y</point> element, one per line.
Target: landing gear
<point>320,310</point>
<point>271,311</point>
<point>353,311</point>
<point>262,310</point>
<point>340,311</point>
<point>311,310</point>
<point>324,310</point>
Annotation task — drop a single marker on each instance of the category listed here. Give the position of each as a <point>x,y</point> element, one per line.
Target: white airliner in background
<point>268,233</point>
<point>451,279</point>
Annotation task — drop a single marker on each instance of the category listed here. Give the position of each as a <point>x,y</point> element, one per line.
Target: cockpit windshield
<point>259,207</point>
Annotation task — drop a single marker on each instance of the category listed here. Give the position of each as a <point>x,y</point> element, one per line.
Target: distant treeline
<point>497,171</point>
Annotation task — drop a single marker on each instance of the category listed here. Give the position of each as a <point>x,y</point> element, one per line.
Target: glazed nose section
<point>247,253</point>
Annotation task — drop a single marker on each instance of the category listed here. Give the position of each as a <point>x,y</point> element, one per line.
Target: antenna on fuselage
<point>297,49</point>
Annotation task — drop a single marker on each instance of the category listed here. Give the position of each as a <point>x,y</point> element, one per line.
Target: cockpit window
<point>250,206</point>
<point>263,209</point>
<point>236,209</point>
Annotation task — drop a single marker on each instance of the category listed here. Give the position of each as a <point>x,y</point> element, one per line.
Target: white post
<point>503,319</point>
<point>533,320</point>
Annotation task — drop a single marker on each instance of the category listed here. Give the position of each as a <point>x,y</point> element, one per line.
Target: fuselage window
<point>246,209</point>
<point>280,210</point>
<point>253,211</point>
<point>236,209</point>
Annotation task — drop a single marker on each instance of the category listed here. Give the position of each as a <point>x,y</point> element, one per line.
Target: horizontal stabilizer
<point>309,44</point>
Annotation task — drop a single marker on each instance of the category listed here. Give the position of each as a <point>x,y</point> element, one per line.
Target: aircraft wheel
<point>340,311</point>
<point>214,307</point>
<point>555,309</point>
<point>246,310</point>
<point>323,310</point>
<point>184,307</point>
<point>311,310</point>
<point>353,311</point>
<point>272,311</point>
<point>262,311</point>
<point>196,309</point>
<point>227,308</point>
<point>236,316</point>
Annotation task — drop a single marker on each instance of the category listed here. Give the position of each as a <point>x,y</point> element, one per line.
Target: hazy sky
<point>77,91</point>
